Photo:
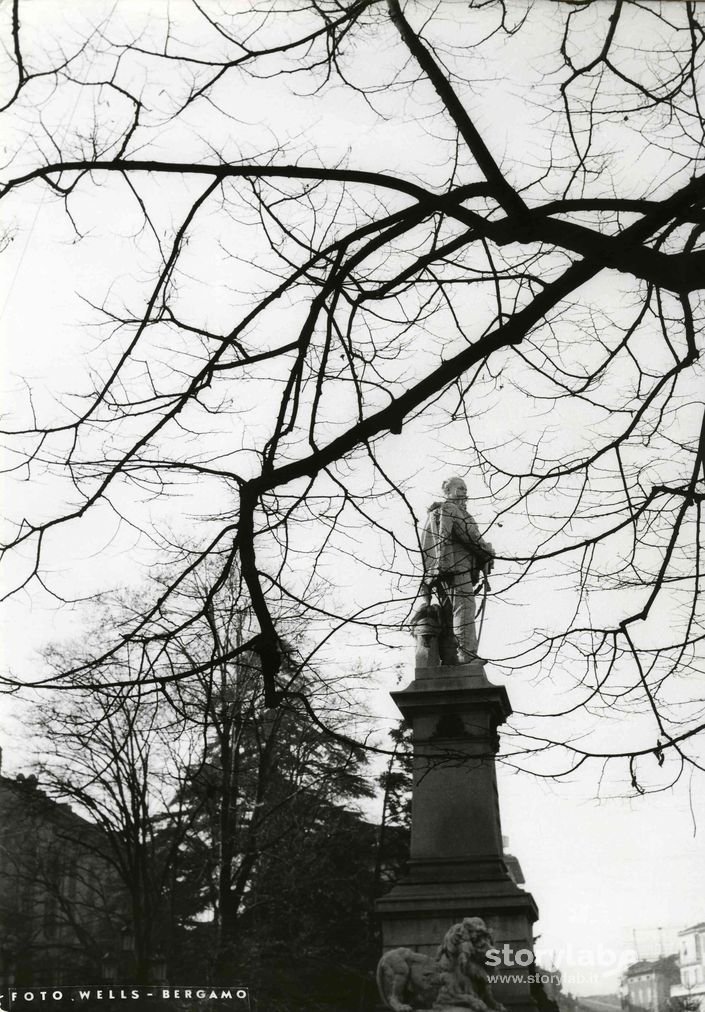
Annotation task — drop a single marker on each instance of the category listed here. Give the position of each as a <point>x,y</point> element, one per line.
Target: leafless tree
<point>121,762</point>
<point>189,791</point>
<point>502,245</point>
<point>262,778</point>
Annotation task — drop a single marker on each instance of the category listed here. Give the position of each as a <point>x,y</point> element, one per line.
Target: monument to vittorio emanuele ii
<point>458,897</point>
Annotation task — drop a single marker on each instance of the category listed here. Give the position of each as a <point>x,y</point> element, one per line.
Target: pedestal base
<point>457,866</point>
<point>418,914</point>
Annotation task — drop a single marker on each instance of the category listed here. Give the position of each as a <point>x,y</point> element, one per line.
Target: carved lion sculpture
<point>455,980</point>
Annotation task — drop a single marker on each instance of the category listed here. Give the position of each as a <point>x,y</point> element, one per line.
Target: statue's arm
<point>466,530</point>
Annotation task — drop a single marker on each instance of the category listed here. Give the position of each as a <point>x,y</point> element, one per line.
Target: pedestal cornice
<point>453,688</point>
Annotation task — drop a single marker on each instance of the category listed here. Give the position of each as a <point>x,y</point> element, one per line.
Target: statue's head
<point>455,489</point>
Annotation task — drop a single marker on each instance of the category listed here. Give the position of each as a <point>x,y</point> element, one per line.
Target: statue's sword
<point>485,588</point>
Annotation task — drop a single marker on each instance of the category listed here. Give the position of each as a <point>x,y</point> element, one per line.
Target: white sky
<point>603,872</point>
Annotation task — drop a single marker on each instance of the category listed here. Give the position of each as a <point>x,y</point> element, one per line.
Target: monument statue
<point>456,560</point>
<point>456,980</point>
<point>456,856</point>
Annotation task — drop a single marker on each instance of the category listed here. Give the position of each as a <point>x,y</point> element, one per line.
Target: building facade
<point>692,966</point>
<point>646,985</point>
<point>58,901</point>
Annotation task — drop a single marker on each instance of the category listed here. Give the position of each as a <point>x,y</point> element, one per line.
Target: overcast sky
<point>607,869</point>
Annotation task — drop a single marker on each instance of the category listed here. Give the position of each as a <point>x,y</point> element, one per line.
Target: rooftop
<point>664,964</point>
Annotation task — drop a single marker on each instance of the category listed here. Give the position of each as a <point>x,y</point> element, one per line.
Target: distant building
<point>692,966</point>
<point>646,985</point>
<point>57,894</point>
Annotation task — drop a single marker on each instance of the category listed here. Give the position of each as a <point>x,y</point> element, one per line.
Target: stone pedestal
<point>457,866</point>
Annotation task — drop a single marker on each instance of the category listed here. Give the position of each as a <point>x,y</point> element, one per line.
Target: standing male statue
<point>456,558</point>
